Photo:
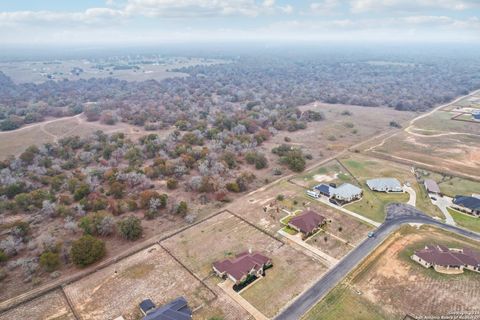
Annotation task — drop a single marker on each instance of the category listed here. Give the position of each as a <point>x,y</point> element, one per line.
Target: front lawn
<point>465,221</point>
<point>373,204</point>
<point>344,303</point>
<point>289,230</point>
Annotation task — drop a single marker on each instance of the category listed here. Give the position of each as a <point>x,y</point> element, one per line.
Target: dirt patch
<point>324,177</point>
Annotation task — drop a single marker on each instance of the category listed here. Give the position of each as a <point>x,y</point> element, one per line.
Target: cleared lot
<point>52,306</point>
<point>118,289</point>
<point>225,235</point>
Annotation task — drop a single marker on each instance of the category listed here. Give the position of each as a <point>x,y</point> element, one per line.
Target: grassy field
<point>331,172</point>
<point>118,289</point>
<point>389,285</point>
<point>373,204</point>
<point>451,185</point>
<point>344,303</point>
<point>226,235</point>
<point>465,221</point>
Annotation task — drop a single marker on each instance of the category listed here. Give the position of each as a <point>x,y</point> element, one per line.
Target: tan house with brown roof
<point>244,264</point>
<point>308,222</point>
<point>448,260</point>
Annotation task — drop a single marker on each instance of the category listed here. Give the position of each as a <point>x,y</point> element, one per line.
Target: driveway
<point>413,195</point>
<point>443,203</point>
<point>326,259</point>
<point>227,286</point>
<point>397,215</point>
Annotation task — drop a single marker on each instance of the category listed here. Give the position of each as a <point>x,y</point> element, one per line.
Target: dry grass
<point>118,289</point>
<point>400,286</point>
<point>51,306</point>
<point>225,235</point>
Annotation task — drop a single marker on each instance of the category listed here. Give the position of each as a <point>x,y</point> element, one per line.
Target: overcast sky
<point>157,21</point>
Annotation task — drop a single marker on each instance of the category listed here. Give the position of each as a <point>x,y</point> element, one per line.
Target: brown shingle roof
<point>442,256</point>
<point>307,221</point>
<point>242,264</point>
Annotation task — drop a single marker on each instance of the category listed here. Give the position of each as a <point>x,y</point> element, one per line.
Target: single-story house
<point>431,186</point>
<point>244,264</point>
<point>446,260</point>
<point>313,193</point>
<point>385,185</point>
<point>308,222</point>
<point>325,189</point>
<point>175,310</point>
<point>467,204</point>
<point>476,115</point>
<point>347,192</point>
<point>146,306</point>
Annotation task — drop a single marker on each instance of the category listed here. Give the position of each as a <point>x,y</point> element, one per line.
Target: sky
<point>162,21</point>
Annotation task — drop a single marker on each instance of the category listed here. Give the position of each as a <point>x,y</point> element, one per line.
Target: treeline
<point>267,87</point>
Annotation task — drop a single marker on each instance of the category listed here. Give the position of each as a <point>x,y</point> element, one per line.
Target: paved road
<point>397,215</point>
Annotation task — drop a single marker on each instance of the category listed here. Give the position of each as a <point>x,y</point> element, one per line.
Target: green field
<point>465,221</point>
<point>373,204</point>
<point>451,185</point>
<point>344,303</point>
<point>333,170</point>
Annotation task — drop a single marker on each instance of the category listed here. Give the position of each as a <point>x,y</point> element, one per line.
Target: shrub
<point>232,187</point>
<point>81,192</point>
<point>130,228</point>
<point>50,261</point>
<point>172,183</point>
<point>3,256</point>
<point>295,160</point>
<point>395,124</point>
<point>147,195</point>
<point>87,250</point>
<point>117,190</point>
<point>280,197</point>
<point>182,208</point>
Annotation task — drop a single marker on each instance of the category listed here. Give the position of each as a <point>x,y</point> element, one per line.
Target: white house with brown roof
<point>447,260</point>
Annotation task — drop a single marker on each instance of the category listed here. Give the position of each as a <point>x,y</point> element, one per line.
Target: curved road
<point>397,215</point>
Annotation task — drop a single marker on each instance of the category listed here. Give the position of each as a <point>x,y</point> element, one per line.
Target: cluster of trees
<point>90,184</point>
<point>257,90</point>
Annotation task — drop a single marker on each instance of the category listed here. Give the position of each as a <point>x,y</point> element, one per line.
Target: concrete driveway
<point>443,203</point>
<point>413,195</point>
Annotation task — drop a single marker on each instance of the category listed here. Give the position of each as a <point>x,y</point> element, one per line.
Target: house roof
<point>146,305</point>
<point>347,190</point>
<point>242,264</point>
<point>471,203</point>
<point>175,310</point>
<point>307,221</point>
<point>443,256</point>
<point>384,183</point>
<point>324,188</point>
<point>431,186</point>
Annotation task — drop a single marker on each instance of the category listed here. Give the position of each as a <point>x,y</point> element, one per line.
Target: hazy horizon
<point>116,22</point>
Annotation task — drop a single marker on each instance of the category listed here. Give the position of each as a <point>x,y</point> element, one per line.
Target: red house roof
<point>442,256</point>
<point>307,221</point>
<point>242,264</point>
